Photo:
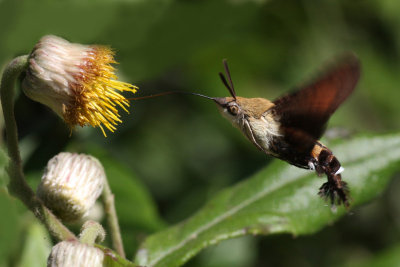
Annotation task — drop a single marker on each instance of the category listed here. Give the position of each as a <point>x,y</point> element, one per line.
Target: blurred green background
<point>172,153</point>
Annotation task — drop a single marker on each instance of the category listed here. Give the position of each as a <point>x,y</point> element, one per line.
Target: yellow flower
<point>77,82</point>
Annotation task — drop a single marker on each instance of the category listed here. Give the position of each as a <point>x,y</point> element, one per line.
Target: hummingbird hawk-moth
<point>289,128</point>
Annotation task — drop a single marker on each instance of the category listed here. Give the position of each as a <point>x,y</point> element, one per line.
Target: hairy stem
<point>92,231</point>
<point>112,219</point>
<point>17,185</point>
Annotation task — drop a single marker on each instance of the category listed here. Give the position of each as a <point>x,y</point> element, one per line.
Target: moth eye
<point>233,110</point>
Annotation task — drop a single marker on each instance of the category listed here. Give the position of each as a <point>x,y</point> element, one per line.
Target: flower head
<point>77,82</point>
<point>71,185</point>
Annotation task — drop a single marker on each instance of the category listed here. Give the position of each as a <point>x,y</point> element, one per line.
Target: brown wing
<point>308,109</point>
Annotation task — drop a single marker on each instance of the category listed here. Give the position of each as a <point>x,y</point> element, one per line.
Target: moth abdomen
<point>335,189</point>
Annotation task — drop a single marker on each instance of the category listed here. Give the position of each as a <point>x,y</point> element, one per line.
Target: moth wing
<point>308,109</point>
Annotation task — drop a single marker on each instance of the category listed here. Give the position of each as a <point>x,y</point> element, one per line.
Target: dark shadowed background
<point>173,153</point>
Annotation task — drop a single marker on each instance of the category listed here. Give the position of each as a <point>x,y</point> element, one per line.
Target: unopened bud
<point>71,185</point>
<point>75,254</point>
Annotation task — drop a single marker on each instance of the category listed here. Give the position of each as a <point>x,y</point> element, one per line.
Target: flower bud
<point>70,185</point>
<point>77,82</point>
<point>76,254</point>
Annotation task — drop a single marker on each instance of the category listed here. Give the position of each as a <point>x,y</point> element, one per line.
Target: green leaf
<point>37,247</point>
<point>9,226</point>
<point>278,199</point>
<point>112,259</point>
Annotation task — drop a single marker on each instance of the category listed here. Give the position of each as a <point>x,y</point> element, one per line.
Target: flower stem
<point>112,219</point>
<point>18,186</point>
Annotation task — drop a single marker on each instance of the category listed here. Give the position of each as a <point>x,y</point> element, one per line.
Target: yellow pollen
<point>97,93</point>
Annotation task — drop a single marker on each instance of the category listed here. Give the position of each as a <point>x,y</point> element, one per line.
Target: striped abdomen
<point>324,162</point>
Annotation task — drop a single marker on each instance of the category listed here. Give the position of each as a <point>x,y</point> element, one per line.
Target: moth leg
<point>335,189</point>
<point>249,133</point>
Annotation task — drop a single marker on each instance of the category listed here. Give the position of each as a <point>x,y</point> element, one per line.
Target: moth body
<point>255,122</point>
<point>289,127</point>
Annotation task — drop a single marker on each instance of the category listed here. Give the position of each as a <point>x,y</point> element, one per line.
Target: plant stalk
<point>18,186</point>
<point>112,219</point>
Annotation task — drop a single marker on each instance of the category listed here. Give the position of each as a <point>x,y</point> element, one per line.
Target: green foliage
<point>112,259</point>
<point>9,228</point>
<point>3,174</point>
<point>280,198</point>
<point>134,204</point>
<point>387,258</point>
<point>136,210</point>
<point>37,247</point>
<point>173,154</point>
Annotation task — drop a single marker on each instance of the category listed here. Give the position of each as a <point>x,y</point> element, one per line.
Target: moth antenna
<point>228,83</point>
<point>223,79</point>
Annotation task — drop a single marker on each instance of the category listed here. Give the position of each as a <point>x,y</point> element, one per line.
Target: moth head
<point>229,107</point>
<point>237,109</point>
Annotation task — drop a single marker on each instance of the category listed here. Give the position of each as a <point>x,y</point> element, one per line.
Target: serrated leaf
<point>278,199</point>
